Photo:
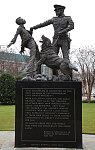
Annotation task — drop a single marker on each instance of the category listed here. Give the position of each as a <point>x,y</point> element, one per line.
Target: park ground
<point>7,118</point>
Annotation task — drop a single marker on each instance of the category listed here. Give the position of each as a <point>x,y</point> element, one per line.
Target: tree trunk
<point>89,94</point>
<point>89,98</point>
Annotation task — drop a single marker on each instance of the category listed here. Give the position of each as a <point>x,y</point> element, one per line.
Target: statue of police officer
<point>62,25</point>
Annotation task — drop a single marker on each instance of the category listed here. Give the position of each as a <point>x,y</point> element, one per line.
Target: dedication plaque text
<point>49,114</point>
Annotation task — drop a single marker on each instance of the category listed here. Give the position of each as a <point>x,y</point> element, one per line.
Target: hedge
<point>7,88</point>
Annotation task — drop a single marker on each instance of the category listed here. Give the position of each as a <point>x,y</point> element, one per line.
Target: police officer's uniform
<point>60,23</point>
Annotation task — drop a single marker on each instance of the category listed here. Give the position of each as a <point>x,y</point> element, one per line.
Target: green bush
<point>7,89</point>
<point>18,78</point>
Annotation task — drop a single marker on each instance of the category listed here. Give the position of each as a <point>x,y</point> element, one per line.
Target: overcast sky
<point>38,11</point>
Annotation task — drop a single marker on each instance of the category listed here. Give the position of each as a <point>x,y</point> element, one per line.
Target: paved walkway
<point>7,139</point>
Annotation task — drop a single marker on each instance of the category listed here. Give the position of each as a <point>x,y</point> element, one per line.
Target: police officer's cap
<point>59,7</point>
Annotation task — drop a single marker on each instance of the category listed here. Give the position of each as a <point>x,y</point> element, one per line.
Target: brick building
<point>12,63</point>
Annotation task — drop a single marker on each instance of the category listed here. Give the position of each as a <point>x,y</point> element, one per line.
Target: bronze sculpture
<point>27,42</point>
<point>62,25</point>
<point>52,60</point>
<point>49,53</point>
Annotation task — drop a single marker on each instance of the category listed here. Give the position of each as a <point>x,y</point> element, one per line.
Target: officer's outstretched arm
<point>46,23</point>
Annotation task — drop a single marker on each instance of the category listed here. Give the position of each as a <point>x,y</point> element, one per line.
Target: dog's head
<point>45,42</point>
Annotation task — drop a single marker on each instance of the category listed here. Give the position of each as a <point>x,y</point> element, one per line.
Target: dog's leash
<point>55,41</point>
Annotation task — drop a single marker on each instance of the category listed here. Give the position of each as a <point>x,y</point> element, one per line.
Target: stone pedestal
<point>48,114</point>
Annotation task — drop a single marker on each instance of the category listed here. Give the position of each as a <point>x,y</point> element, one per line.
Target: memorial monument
<point>48,112</point>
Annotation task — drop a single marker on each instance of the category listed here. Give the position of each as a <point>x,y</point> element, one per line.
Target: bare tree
<point>85,59</point>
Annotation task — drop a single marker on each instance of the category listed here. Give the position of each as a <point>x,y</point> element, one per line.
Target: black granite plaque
<point>48,114</point>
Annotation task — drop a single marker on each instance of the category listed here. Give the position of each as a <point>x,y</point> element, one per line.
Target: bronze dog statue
<point>52,60</point>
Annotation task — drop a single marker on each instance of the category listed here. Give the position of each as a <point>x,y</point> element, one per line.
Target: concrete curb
<point>7,141</point>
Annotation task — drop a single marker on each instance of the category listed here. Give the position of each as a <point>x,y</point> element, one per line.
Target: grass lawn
<point>7,118</point>
<point>88,118</point>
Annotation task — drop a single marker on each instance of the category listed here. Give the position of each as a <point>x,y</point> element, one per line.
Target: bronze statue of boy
<point>27,42</point>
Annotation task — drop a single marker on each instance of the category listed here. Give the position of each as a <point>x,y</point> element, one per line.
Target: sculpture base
<point>48,114</point>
